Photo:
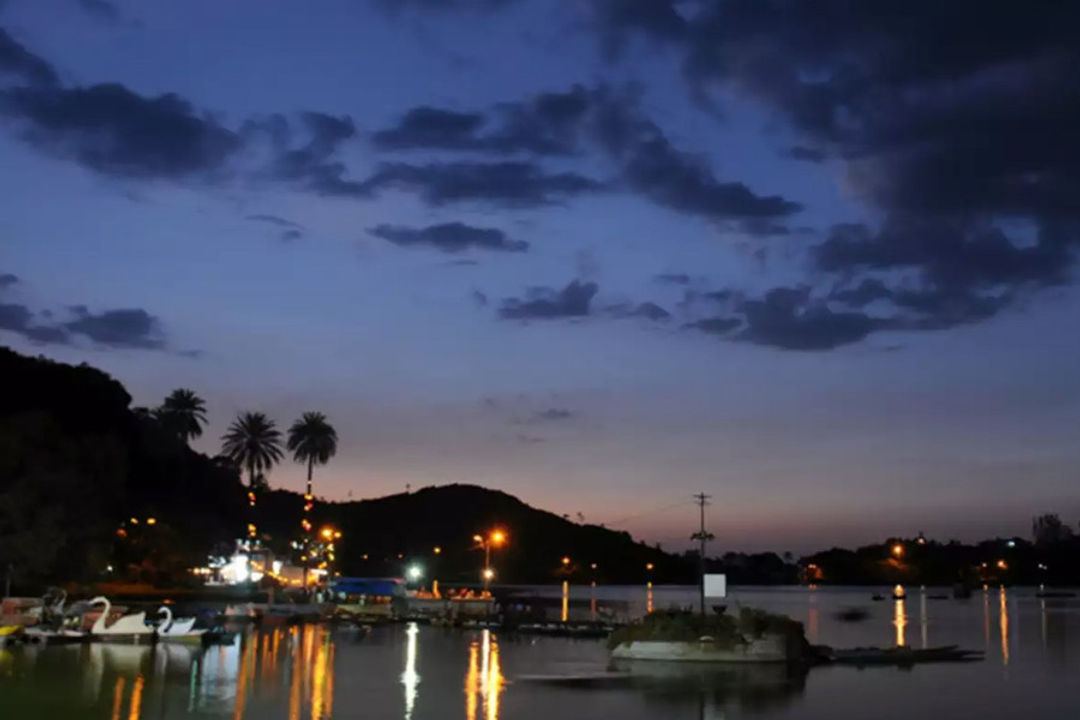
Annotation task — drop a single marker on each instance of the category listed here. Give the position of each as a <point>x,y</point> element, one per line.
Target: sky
<point>817,260</point>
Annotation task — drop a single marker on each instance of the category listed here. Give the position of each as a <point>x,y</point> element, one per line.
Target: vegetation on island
<point>723,631</point>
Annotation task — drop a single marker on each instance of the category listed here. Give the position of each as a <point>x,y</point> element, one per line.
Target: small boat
<point>877,597</point>
<point>127,627</point>
<point>10,633</point>
<point>50,636</point>
<point>853,614</point>
<point>178,629</point>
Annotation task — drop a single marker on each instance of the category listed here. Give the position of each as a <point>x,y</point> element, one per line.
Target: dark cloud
<point>114,131</point>
<point>564,123</point>
<point>679,180</point>
<point>325,134</point>
<point>7,280</point>
<point>647,310</point>
<point>100,9</point>
<point>547,303</point>
<point>547,124</point>
<point>126,328</point>
<point>798,152</point>
<point>672,278</point>
<point>866,292</point>
<point>716,325</point>
<point>17,61</point>
<point>19,319</point>
<point>506,184</point>
<point>428,128</point>
<point>650,311</point>
<point>657,18</point>
<point>788,318</point>
<point>955,120</point>
<point>290,235</point>
<point>449,237</point>
<point>944,273</point>
<point>275,220</point>
<point>552,415</point>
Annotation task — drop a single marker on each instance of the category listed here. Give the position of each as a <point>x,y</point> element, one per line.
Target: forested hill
<point>447,517</point>
<point>77,462</point>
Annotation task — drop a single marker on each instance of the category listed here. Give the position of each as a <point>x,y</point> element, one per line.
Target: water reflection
<point>410,679</point>
<point>1003,620</point>
<point>565,600</point>
<point>483,679</point>
<point>136,699</point>
<point>922,618</point>
<point>900,622</point>
<point>118,698</point>
<point>648,597</point>
<point>670,689</point>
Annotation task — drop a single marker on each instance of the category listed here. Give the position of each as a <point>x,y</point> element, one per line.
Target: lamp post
<point>493,539</point>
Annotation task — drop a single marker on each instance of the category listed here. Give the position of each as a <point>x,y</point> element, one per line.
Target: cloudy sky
<point>816,259</point>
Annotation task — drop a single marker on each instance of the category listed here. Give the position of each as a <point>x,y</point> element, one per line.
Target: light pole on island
<point>702,536</point>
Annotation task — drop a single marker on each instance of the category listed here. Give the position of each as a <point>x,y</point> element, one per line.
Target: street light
<point>898,550</point>
<point>565,560</point>
<point>414,573</point>
<point>495,538</point>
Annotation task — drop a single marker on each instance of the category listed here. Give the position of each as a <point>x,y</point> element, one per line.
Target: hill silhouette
<point>413,524</point>
<point>77,463</point>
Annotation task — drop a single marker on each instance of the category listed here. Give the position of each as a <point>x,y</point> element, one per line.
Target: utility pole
<point>702,537</point>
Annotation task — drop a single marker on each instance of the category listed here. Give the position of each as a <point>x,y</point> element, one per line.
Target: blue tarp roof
<point>369,586</point>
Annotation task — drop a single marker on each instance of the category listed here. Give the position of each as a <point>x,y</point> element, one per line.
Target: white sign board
<point>715,585</point>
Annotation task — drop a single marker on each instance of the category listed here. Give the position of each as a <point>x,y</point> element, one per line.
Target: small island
<point>753,636</point>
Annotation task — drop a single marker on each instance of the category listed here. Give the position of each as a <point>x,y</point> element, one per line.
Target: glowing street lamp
<point>898,550</point>
<point>565,560</point>
<point>494,539</point>
<point>414,573</point>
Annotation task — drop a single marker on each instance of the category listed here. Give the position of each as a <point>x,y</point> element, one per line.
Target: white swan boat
<point>132,628</point>
<point>178,628</point>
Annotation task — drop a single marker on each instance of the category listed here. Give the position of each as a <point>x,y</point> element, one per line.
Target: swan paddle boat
<point>130,628</point>
<point>178,629</point>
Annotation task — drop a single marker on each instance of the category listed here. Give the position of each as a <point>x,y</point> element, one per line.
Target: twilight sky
<point>817,259</point>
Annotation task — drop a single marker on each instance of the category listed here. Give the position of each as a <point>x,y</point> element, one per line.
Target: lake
<point>1031,668</point>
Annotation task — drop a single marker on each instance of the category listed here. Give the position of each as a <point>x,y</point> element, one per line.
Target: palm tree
<point>254,443</point>
<point>184,413</point>
<point>312,440</point>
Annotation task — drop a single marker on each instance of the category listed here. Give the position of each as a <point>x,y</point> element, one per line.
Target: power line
<point>702,536</point>
<point>646,513</point>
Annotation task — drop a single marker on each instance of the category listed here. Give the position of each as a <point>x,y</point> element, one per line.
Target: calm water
<point>1032,668</point>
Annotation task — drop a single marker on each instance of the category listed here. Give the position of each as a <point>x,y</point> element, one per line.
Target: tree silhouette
<point>254,443</point>
<point>183,413</point>
<point>313,441</point>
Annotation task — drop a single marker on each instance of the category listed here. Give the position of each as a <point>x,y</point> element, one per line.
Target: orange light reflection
<point>900,621</point>
<point>136,699</point>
